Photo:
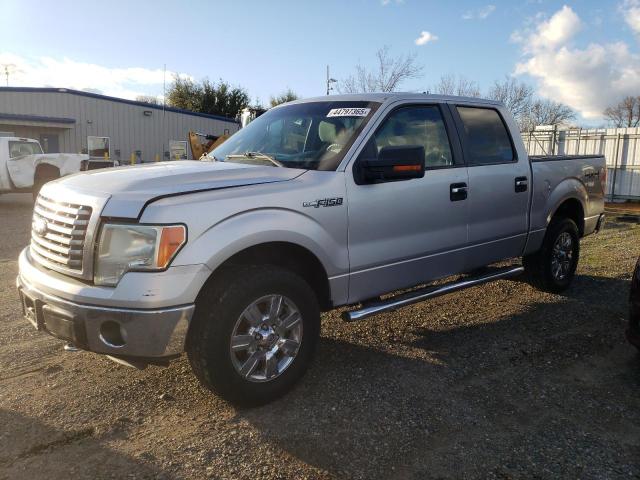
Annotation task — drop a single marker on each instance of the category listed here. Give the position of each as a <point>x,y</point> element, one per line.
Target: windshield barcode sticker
<point>348,112</point>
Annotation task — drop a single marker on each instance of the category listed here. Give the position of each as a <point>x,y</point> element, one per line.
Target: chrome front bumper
<point>144,334</point>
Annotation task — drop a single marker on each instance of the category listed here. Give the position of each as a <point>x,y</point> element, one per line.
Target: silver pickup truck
<point>317,204</point>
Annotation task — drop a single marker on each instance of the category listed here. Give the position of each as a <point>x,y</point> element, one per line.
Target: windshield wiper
<point>257,156</point>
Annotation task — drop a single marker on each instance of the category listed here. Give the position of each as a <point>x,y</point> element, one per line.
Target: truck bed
<point>555,174</point>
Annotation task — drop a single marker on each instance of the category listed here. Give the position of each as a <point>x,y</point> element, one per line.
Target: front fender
<point>264,225</point>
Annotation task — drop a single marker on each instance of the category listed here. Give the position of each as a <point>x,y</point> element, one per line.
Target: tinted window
<point>487,137</point>
<point>421,126</point>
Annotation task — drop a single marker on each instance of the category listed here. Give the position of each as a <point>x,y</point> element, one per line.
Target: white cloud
<point>384,3</point>
<point>631,11</point>
<point>425,37</point>
<point>479,13</point>
<point>126,82</point>
<point>587,79</point>
<point>556,31</point>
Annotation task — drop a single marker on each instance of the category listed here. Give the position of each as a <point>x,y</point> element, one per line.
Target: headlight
<point>124,248</point>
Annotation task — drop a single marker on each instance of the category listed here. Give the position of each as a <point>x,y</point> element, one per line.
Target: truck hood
<point>129,189</point>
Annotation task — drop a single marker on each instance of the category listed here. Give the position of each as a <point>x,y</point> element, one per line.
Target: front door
<point>498,186</point>
<point>404,233</point>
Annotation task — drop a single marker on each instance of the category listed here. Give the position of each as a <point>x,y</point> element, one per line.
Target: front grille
<point>58,234</point>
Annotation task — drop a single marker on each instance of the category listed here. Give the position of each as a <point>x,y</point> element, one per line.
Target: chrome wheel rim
<point>562,256</point>
<point>266,338</point>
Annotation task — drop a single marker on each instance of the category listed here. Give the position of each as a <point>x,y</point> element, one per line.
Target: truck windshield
<point>20,148</point>
<point>313,135</point>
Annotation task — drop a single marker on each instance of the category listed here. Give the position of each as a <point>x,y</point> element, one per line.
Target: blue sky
<point>119,47</point>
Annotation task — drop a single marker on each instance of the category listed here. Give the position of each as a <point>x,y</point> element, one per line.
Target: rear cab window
<point>20,148</point>
<point>487,140</point>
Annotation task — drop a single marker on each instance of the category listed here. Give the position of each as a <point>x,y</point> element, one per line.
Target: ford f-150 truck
<point>317,204</point>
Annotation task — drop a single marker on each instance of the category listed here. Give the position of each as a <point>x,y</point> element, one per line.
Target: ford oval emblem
<point>39,225</point>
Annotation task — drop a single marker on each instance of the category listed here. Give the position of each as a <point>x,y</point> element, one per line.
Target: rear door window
<point>487,138</point>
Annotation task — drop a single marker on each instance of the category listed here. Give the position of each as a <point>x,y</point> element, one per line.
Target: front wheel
<point>253,334</point>
<point>553,267</point>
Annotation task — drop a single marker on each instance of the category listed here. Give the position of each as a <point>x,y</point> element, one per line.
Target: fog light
<point>111,334</point>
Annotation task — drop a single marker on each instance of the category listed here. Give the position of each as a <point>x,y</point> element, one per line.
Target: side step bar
<point>426,293</point>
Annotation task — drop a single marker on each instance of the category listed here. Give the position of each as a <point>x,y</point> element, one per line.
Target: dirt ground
<point>500,381</point>
<point>632,208</point>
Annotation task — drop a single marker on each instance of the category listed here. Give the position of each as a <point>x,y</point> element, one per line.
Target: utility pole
<point>164,103</point>
<point>8,66</point>
<point>329,81</point>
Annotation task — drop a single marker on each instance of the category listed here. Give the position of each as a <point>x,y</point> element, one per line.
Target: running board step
<point>426,293</point>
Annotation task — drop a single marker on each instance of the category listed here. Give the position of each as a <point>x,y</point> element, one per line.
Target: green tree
<point>287,96</point>
<point>185,93</point>
<point>207,97</point>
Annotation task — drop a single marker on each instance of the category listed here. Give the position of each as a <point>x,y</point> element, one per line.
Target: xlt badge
<point>324,202</point>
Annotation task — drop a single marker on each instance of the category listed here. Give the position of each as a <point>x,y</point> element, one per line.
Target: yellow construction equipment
<point>202,144</point>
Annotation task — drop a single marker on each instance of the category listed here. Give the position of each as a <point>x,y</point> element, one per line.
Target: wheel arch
<point>571,208</point>
<point>285,254</point>
<point>46,170</point>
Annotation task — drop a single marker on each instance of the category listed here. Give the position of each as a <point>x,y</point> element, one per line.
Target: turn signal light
<point>406,168</point>
<point>171,239</point>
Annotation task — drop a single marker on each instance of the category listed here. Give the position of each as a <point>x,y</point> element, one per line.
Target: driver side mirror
<point>393,163</point>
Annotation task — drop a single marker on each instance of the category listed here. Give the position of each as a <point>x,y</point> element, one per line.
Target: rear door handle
<point>521,184</point>
<point>457,192</point>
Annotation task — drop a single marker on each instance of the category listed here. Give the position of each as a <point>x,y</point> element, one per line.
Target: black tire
<point>539,266</point>
<point>220,305</point>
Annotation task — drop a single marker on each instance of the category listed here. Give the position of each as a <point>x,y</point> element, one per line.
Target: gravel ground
<point>500,381</point>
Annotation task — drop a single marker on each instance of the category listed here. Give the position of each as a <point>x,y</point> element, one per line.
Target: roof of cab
<point>395,96</point>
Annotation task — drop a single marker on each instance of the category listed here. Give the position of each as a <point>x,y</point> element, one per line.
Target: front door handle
<point>521,184</point>
<point>457,192</point>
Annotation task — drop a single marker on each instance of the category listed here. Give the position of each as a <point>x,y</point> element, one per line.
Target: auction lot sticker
<point>348,112</point>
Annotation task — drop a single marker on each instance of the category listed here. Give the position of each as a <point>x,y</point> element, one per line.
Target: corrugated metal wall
<point>620,146</point>
<point>129,129</point>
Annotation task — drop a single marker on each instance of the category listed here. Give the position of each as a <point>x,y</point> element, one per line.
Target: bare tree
<point>517,96</point>
<point>547,112</point>
<point>148,99</point>
<point>388,75</point>
<point>626,113</point>
<point>287,96</point>
<point>451,84</point>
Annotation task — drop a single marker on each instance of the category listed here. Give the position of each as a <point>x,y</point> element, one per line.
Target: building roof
<point>114,99</point>
<point>35,118</point>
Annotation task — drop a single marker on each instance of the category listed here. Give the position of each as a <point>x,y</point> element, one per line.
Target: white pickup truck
<point>317,204</point>
<point>25,168</point>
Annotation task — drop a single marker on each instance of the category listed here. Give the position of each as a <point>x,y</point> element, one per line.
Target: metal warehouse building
<point>73,121</point>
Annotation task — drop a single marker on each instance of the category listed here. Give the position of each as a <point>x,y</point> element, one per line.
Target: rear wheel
<point>253,334</point>
<point>553,267</point>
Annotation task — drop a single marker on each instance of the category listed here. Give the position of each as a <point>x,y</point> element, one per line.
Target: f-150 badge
<point>324,202</point>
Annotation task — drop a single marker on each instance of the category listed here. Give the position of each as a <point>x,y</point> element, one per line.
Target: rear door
<point>402,233</point>
<point>499,182</point>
